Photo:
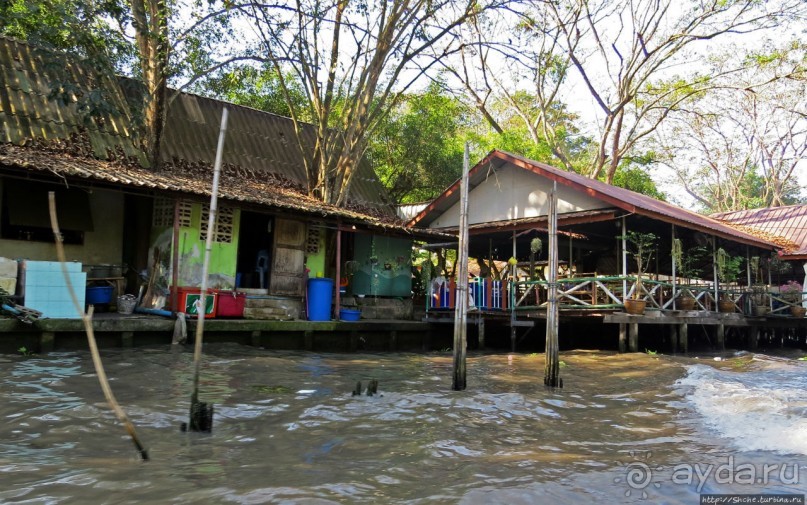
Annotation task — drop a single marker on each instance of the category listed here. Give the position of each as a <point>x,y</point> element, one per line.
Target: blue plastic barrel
<point>320,296</point>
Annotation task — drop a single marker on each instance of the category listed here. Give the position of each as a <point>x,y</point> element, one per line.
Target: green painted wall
<point>223,256</point>
<point>384,266</point>
<point>315,263</point>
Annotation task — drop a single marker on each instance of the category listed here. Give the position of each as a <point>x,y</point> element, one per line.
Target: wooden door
<point>288,258</point>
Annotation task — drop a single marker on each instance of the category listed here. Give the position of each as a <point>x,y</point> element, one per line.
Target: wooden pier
<point>114,330</point>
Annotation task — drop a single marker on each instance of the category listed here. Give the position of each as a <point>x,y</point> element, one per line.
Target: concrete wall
<point>514,193</point>
<point>103,245</point>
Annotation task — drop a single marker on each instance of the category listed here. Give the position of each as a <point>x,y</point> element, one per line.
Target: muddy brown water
<point>287,430</point>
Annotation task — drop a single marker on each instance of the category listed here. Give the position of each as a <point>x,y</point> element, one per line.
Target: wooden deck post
<point>127,339</point>
<point>47,340</point>
<point>481,327</point>
<point>512,330</point>
<point>674,338</point>
<point>393,340</point>
<point>753,337</point>
<point>255,338</point>
<point>683,337</point>
<point>308,340</point>
<point>720,336</point>
<point>623,337</point>
<point>633,337</point>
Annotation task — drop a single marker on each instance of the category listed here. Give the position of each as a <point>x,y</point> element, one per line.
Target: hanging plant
<point>536,246</point>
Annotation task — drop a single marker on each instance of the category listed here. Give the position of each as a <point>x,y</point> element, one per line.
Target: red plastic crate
<point>231,304</point>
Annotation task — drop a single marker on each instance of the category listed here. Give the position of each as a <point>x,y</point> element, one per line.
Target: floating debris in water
<point>262,388</point>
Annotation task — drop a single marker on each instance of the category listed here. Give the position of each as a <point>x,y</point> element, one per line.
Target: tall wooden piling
<point>552,362</point>
<point>461,304</point>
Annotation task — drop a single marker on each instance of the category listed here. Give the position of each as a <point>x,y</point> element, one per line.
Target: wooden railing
<point>601,292</point>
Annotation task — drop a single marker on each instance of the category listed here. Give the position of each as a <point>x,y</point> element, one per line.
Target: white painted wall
<point>515,193</point>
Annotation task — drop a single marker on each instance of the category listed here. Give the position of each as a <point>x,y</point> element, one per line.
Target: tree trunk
<point>150,21</point>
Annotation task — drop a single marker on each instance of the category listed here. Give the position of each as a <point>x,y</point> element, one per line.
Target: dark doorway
<point>254,250</point>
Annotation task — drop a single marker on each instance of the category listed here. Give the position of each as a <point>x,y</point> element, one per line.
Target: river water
<point>631,428</point>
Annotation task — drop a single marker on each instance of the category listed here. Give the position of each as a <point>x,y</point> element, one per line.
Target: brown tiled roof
<point>786,226</point>
<point>620,198</point>
<point>236,184</point>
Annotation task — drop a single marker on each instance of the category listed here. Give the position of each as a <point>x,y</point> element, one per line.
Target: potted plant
<point>686,268</point>
<point>792,293</point>
<point>641,248</point>
<point>760,299</point>
<point>728,268</point>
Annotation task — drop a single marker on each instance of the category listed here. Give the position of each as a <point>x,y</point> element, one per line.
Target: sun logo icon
<point>639,473</point>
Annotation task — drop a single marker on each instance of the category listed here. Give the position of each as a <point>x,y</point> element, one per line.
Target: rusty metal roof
<point>789,222</point>
<point>620,198</point>
<point>257,141</point>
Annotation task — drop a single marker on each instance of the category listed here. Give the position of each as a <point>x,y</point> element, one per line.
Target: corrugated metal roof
<point>236,184</point>
<point>27,78</point>
<point>618,197</point>
<point>256,140</point>
<point>789,222</point>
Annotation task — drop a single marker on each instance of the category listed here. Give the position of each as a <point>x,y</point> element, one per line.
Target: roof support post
<point>338,283</point>
<point>674,272</point>
<point>748,266</point>
<point>624,261</point>
<point>714,271</point>
<point>175,260</point>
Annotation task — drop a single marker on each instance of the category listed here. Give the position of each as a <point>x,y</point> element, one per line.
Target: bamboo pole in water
<point>552,359</point>
<point>461,303</point>
<point>201,415</point>
<point>87,320</point>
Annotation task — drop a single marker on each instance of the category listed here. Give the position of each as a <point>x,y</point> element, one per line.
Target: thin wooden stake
<point>201,414</point>
<point>87,320</point>
<point>461,303</point>
<point>552,361</point>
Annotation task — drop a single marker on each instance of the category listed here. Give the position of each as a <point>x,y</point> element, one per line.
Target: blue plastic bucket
<point>98,295</point>
<point>349,314</point>
<point>320,296</point>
